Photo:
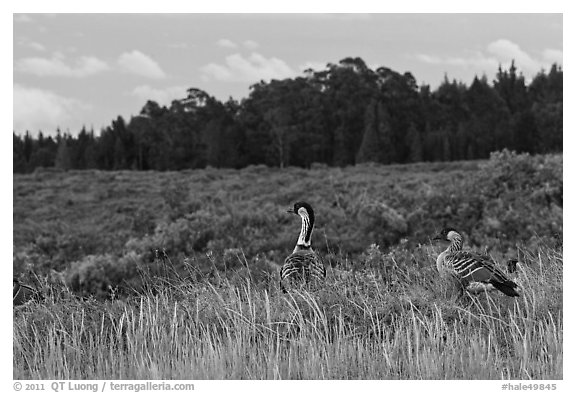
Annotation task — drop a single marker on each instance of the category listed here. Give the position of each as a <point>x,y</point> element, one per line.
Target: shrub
<point>99,275</point>
<point>522,196</point>
<point>382,224</point>
<point>508,201</point>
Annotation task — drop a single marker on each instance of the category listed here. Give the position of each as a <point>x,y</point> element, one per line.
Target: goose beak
<point>438,237</point>
<point>291,211</point>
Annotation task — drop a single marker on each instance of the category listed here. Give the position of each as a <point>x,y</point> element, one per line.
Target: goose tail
<point>509,288</point>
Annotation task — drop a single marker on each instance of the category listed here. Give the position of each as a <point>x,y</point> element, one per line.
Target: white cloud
<point>499,52</point>
<point>553,56</point>
<point>37,109</point>
<point>56,66</point>
<point>249,44</point>
<point>226,43</point>
<point>315,65</point>
<point>251,69</point>
<point>36,46</point>
<point>25,42</point>
<point>217,71</point>
<point>506,51</point>
<point>138,63</point>
<point>162,96</point>
<point>476,60</point>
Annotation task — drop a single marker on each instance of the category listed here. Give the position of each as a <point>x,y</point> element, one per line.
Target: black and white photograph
<point>287,196</point>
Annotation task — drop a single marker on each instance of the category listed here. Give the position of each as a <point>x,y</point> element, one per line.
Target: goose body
<point>303,265</point>
<point>474,272</point>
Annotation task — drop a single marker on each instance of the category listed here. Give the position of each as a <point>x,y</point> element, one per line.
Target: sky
<point>75,70</point>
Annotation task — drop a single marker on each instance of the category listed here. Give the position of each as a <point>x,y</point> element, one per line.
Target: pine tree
<point>119,155</point>
<point>388,148</point>
<point>414,141</point>
<point>370,150</point>
<point>63,160</point>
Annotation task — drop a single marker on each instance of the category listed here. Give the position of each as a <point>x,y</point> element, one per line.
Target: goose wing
<point>476,267</point>
<point>303,264</point>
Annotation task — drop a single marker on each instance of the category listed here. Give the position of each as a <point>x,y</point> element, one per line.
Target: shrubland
<point>174,274</point>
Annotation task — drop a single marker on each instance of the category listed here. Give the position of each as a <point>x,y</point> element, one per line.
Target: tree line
<point>342,115</point>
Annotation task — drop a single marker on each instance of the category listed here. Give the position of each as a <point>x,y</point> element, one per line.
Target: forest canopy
<point>342,115</point>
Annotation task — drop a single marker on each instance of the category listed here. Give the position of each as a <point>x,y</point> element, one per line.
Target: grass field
<point>174,275</point>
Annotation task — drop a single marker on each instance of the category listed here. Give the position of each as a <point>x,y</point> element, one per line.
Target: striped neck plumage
<point>305,232</point>
<point>456,241</point>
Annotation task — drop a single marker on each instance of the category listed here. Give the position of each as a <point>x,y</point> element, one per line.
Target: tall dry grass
<point>364,324</point>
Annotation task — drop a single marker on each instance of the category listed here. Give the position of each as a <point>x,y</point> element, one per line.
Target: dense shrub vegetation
<point>342,115</point>
<point>174,274</point>
<point>101,229</point>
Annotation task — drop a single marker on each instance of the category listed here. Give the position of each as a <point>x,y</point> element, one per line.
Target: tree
<point>399,96</point>
<point>371,147</point>
<point>18,157</point>
<point>446,153</point>
<point>342,114</point>
<point>281,131</point>
<point>512,88</point>
<point>119,155</point>
<point>545,92</point>
<point>63,160</point>
<point>349,88</point>
<point>525,133</point>
<point>549,126</point>
<point>152,110</point>
<point>489,118</point>
<point>376,143</point>
<point>414,142</point>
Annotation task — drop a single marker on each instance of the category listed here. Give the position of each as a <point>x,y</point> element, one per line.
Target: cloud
<point>36,46</point>
<point>162,96</point>
<point>226,43</point>
<point>37,109</point>
<point>499,52</point>
<point>315,65</point>
<point>25,42</point>
<point>553,56</point>
<point>56,66</point>
<point>506,51</point>
<point>138,63</point>
<point>249,44</point>
<point>251,69</point>
<point>476,60</point>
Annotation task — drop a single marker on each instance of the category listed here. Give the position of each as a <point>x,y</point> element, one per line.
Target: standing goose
<point>474,272</point>
<point>303,264</point>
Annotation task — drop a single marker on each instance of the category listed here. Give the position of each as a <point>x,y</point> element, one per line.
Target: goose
<point>474,272</point>
<point>22,294</point>
<point>303,264</point>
